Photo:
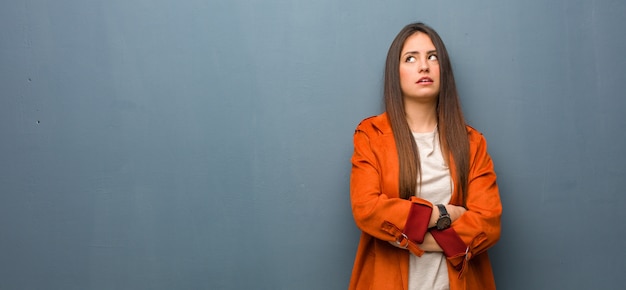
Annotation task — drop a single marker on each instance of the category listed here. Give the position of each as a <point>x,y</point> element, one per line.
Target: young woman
<point>423,189</point>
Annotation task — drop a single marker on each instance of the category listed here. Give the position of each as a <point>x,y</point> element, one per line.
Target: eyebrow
<point>417,52</point>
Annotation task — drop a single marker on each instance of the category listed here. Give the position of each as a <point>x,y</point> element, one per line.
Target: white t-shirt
<point>430,272</point>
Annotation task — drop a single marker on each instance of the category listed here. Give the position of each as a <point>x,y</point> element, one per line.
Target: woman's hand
<point>429,244</point>
<point>454,211</point>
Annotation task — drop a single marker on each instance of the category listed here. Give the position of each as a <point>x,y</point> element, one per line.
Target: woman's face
<point>419,69</point>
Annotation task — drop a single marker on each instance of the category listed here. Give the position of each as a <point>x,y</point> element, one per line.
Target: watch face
<point>443,223</point>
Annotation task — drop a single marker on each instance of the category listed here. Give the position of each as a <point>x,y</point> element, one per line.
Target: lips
<point>425,80</point>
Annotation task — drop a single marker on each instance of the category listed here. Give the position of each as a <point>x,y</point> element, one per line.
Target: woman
<point>423,189</point>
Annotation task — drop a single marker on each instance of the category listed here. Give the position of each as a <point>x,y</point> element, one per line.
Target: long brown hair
<point>451,124</point>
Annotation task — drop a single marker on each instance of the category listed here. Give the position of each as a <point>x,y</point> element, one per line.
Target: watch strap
<point>442,211</point>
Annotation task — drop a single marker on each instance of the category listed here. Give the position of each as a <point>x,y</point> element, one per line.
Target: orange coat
<point>381,214</point>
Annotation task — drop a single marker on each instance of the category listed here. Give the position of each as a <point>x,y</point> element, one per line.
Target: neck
<point>421,117</point>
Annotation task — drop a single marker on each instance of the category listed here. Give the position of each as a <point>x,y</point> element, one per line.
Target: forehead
<point>418,42</point>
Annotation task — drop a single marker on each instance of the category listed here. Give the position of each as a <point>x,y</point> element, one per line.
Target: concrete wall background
<point>206,144</point>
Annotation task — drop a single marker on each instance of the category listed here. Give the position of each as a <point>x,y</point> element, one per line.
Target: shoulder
<point>376,125</point>
<point>476,139</point>
<point>473,133</point>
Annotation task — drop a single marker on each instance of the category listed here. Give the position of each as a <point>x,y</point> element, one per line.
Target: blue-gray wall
<point>206,144</point>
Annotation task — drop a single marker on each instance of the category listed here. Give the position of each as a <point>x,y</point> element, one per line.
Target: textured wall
<point>206,144</point>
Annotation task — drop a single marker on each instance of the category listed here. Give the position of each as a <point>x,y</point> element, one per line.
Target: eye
<point>410,58</point>
<point>433,57</point>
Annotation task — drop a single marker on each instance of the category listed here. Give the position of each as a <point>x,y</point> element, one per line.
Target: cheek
<point>405,74</point>
<point>437,70</point>
<point>436,73</point>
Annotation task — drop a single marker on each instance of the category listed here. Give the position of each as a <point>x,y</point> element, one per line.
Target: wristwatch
<point>444,220</point>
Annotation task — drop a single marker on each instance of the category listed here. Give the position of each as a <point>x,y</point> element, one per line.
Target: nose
<point>423,66</point>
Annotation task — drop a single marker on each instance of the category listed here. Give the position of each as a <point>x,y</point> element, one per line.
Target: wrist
<point>434,216</point>
<point>444,221</point>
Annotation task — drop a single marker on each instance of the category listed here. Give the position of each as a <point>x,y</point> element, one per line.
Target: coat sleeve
<point>478,228</point>
<point>378,214</point>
